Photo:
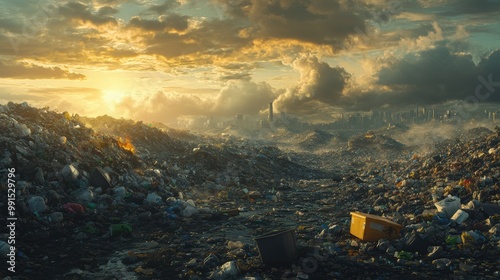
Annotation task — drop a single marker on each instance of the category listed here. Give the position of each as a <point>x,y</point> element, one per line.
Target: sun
<point>112,96</point>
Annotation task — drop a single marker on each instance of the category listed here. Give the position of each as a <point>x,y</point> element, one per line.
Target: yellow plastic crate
<point>368,227</point>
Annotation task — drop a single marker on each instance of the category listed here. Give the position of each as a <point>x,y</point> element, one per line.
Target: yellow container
<point>368,227</point>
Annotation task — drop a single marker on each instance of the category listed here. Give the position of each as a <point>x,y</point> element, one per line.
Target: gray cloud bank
<point>428,77</point>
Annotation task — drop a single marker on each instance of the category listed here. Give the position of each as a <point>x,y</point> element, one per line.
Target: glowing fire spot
<point>125,144</point>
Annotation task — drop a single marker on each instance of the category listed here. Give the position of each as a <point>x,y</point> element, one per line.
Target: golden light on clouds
<point>194,55</point>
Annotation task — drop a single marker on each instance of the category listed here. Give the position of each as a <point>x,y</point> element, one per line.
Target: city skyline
<point>375,119</point>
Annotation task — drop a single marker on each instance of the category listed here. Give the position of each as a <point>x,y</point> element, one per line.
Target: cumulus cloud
<point>319,84</point>
<point>430,77</point>
<point>236,97</point>
<point>327,22</point>
<point>243,98</point>
<point>29,71</point>
<point>162,106</point>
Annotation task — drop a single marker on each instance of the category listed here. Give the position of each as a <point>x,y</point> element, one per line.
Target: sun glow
<point>112,96</point>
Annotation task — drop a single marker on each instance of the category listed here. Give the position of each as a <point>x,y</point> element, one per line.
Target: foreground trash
<point>123,199</point>
<point>277,247</point>
<point>369,227</point>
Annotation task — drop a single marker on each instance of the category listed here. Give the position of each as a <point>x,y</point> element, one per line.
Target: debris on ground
<point>105,198</point>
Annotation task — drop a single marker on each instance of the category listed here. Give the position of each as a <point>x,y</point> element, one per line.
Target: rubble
<point>164,205</point>
<point>318,139</point>
<point>374,140</point>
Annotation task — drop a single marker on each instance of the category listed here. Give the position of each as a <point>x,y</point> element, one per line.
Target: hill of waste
<point>109,198</point>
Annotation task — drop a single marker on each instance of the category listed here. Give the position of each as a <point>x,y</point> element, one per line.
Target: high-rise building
<point>239,120</point>
<point>271,117</point>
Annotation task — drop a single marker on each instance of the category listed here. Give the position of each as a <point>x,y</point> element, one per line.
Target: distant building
<point>239,120</point>
<point>271,116</point>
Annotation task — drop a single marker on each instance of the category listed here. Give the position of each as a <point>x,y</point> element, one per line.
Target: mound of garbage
<point>127,200</point>
<point>317,139</point>
<point>371,140</point>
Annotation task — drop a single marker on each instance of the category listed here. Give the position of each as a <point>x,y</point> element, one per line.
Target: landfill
<point>107,198</point>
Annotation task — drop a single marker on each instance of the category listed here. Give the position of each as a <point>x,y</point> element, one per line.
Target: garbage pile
<point>147,141</point>
<point>126,200</point>
<point>373,140</point>
<point>76,185</point>
<point>316,139</point>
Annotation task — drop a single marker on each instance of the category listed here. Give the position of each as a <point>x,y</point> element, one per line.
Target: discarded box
<point>368,227</point>
<point>277,247</point>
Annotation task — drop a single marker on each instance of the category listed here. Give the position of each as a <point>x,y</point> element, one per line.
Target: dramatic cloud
<point>431,77</point>
<point>331,54</point>
<point>81,12</point>
<point>426,77</point>
<point>212,37</point>
<point>326,22</point>
<point>27,71</point>
<point>162,106</point>
<point>241,97</point>
<point>319,84</point>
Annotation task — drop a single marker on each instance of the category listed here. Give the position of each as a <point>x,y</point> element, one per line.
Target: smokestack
<point>271,112</point>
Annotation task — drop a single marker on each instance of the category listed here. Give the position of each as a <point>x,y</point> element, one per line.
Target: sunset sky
<point>171,61</point>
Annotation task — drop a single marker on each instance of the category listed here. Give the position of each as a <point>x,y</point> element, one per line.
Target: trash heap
<point>374,140</point>
<point>317,139</point>
<point>78,186</point>
<point>105,198</point>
